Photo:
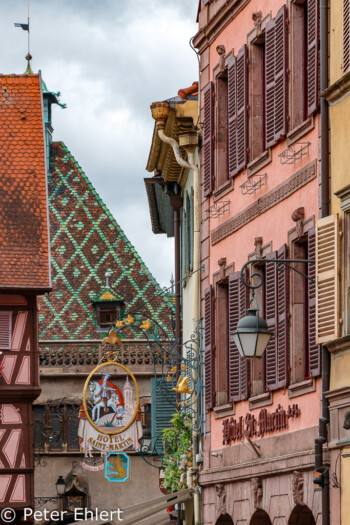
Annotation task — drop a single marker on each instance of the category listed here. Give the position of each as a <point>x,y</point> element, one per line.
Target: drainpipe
<point>189,141</point>
<point>325,205</point>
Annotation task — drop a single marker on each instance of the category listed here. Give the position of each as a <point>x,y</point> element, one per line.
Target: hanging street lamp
<point>252,335</point>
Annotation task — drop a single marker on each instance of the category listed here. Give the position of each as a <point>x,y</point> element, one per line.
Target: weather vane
<point>25,27</point>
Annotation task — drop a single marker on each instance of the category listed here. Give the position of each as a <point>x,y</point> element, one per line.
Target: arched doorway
<point>260,517</point>
<point>301,515</point>
<point>224,519</point>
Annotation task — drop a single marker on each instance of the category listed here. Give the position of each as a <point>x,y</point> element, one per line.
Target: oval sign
<point>111,398</point>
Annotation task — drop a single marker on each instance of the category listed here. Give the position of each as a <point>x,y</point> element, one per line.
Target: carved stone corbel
<point>257,18</point>
<point>221,499</point>
<point>298,488</point>
<point>298,216</point>
<point>220,49</point>
<point>257,492</point>
<point>258,241</point>
<point>222,264</point>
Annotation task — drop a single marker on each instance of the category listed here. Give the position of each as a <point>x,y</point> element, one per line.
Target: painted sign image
<point>111,398</point>
<point>117,467</point>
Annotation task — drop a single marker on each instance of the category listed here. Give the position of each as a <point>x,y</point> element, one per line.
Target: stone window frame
<point>222,185</point>
<point>298,383</point>
<point>220,286</point>
<point>344,196</point>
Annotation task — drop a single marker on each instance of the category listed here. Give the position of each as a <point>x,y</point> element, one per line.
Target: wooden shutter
<point>346,35</point>
<point>281,85</point>
<point>5,330</point>
<point>163,408</point>
<point>232,116</point>
<point>238,367</point>
<point>271,320</point>
<point>242,107</point>
<point>282,319</point>
<point>270,83</point>
<point>208,157</point>
<point>312,56</point>
<point>327,274</point>
<point>209,348</point>
<point>314,350</point>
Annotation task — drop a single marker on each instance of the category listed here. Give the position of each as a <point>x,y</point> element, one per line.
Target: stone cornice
<point>282,464</point>
<point>217,23</point>
<point>339,345</point>
<point>338,89</point>
<point>267,201</point>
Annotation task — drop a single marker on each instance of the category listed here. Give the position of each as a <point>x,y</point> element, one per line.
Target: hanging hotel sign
<point>250,426</point>
<point>110,416</point>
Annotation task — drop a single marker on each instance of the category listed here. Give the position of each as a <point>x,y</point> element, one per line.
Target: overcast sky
<point>110,59</point>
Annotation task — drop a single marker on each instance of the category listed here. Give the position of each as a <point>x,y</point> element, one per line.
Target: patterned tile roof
<point>86,242</point>
<point>107,295</point>
<point>24,254</point>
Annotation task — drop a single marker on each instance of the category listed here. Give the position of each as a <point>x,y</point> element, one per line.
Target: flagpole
<point>28,31</point>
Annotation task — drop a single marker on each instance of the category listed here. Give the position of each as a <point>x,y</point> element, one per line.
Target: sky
<point>110,59</point>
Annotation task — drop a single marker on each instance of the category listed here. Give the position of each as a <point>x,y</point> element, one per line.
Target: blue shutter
<point>163,408</point>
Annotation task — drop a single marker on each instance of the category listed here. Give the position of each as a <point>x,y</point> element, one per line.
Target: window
<point>163,408</point>
<point>56,428</point>
<point>208,139</point>
<point>257,97</point>
<point>221,144</point>
<point>304,60</point>
<point>5,330</point>
<point>237,110</point>
<point>188,230</point>
<point>221,342</point>
<point>276,87</point>
<point>106,313</point>
<point>209,348</point>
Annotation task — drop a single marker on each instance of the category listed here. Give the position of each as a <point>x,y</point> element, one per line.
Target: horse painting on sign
<point>111,399</point>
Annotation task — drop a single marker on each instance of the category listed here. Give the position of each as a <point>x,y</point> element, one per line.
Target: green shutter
<point>163,408</point>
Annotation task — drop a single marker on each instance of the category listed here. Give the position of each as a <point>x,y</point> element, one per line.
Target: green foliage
<point>178,443</point>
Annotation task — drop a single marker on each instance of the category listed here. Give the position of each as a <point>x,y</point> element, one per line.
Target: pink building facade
<point>260,184</point>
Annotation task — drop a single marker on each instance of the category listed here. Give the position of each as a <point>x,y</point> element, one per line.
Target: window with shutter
<point>271,320</point>
<point>327,272</point>
<point>256,98</point>
<point>238,366</point>
<point>276,90</point>
<point>346,35</point>
<point>163,408</point>
<point>312,56</point>
<point>282,320</point>
<point>232,117</point>
<point>5,330</point>
<point>237,111</point>
<point>209,348</point>
<point>208,142</point>
<point>221,129</point>
<point>314,350</point>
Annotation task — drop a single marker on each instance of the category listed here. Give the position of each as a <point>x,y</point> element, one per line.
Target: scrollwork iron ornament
<point>178,364</point>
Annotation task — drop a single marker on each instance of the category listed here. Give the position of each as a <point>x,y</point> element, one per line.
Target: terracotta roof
<point>186,92</point>
<point>24,253</point>
<point>86,242</point>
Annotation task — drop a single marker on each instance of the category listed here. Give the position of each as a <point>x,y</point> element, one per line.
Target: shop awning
<point>134,514</point>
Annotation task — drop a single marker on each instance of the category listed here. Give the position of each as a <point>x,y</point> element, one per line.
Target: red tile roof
<point>24,251</point>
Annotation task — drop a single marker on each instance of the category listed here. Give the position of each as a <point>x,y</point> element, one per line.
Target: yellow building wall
<point>345,487</point>
<point>336,40</point>
<point>340,148</point>
<point>340,371</point>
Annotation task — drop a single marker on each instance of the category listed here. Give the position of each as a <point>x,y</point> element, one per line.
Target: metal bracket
<point>218,209</point>
<point>294,152</point>
<point>253,184</point>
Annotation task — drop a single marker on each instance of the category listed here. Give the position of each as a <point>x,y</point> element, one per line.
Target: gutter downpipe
<point>196,264</point>
<point>325,208</point>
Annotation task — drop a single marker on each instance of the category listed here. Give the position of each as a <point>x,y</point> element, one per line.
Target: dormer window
<point>108,307</point>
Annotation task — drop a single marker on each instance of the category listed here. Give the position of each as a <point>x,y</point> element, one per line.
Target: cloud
<point>110,59</point>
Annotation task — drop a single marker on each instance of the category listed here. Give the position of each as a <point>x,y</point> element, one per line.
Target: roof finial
<point>29,69</point>
<point>107,275</point>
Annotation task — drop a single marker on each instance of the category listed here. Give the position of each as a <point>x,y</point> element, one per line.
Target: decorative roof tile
<point>24,254</point>
<point>98,247</point>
